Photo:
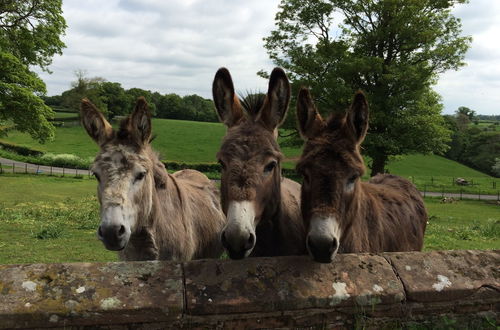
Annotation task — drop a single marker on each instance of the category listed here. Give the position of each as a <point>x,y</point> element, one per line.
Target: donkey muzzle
<point>240,246</point>
<point>323,238</point>
<point>113,231</point>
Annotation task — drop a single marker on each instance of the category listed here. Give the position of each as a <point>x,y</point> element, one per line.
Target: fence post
<point>13,168</point>
<point>425,188</point>
<point>479,194</point>
<point>1,169</point>
<point>25,168</point>
<point>63,171</point>
<point>442,191</point>
<point>494,184</point>
<point>432,180</point>
<point>51,170</point>
<point>498,195</point>
<point>461,189</point>
<point>76,172</point>
<point>37,169</point>
<point>452,181</point>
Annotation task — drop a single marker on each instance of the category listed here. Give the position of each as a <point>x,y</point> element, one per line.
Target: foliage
<point>496,167</point>
<point>19,99</point>
<point>114,101</point>
<point>469,113</point>
<point>29,36</point>
<point>391,49</point>
<point>21,150</point>
<point>475,146</point>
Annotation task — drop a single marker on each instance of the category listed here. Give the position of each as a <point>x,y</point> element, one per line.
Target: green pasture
<point>53,219</point>
<point>436,173</point>
<point>176,140</point>
<point>63,115</point>
<point>490,124</point>
<point>49,219</point>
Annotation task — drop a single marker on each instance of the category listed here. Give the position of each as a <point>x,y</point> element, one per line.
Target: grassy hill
<point>176,140</point>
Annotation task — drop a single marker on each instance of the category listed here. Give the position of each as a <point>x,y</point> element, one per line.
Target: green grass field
<point>49,219</point>
<point>434,173</point>
<point>52,219</point>
<point>62,115</point>
<point>176,140</point>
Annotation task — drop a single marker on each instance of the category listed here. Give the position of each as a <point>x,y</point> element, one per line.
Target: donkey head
<point>250,158</point>
<point>124,170</point>
<point>331,166</point>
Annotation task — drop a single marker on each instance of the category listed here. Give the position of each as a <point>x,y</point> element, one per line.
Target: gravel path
<point>20,167</point>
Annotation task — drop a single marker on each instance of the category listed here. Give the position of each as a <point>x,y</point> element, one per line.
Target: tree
<point>394,50</point>
<point>116,100</point>
<point>496,167</point>
<point>84,87</point>
<point>466,112</point>
<point>30,33</point>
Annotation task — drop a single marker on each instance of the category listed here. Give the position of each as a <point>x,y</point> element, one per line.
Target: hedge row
<point>24,151</point>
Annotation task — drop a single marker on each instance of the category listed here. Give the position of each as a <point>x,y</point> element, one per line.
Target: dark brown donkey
<point>262,208</point>
<point>147,213</point>
<point>341,212</point>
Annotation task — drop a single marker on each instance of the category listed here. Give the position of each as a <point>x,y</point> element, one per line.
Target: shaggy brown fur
<point>178,216</point>
<point>386,213</point>
<point>251,161</point>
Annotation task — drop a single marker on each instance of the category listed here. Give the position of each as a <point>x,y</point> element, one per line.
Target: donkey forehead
<point>249,142</point>
<point>341,154</point>
<point>119,157</point>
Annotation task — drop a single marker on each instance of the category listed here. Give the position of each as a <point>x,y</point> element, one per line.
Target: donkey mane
<point>252,103</point>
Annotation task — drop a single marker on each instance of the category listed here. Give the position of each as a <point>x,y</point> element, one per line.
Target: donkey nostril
<point>121,231</point>
<point>250,242</point>
<point>335,244</point>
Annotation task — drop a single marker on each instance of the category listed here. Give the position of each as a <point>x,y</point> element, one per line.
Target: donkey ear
<point>309,119</point>
<point>358,116</point>
<point>94,122</point>
<point>140,121</point>
<point>226,102</point>
<point>278,97</point>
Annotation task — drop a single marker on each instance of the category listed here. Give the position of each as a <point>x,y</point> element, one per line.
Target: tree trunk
<point>378,164</point>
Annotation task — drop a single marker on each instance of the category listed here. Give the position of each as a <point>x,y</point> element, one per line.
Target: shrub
<point>24,151</point>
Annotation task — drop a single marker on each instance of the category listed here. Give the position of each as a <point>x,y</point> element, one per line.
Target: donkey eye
<point>140,176</point>
<point>269,167</point>
<point>352,179</point>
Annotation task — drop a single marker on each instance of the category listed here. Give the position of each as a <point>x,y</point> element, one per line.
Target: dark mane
<point>252,103</point>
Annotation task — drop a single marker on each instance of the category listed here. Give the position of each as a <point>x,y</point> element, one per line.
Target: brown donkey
<point>262,208</point>
<point>147,213</point>
<point>341,212</point>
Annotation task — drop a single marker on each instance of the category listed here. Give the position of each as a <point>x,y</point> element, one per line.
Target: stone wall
<point>365,290</point>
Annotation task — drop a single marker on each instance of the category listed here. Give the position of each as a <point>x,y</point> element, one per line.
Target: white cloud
<point>476,85</point>
<point>177,46</point>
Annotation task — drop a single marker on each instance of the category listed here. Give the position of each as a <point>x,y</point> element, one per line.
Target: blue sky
<point>176,46</point>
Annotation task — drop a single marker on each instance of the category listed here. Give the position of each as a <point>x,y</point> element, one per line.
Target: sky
<point>176,46</point>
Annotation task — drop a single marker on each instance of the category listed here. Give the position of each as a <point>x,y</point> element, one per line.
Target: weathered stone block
<point>43,295</point>
<point>289,283</point>
<point>448,275</point>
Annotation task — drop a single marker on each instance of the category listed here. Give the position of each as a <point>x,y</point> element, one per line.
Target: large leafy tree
<point>30,33</point>
<point>394,50</point>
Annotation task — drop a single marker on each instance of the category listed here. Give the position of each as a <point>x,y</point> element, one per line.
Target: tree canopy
<point>394,50</point>
<point>30,33</point>
<point>113,100</point>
